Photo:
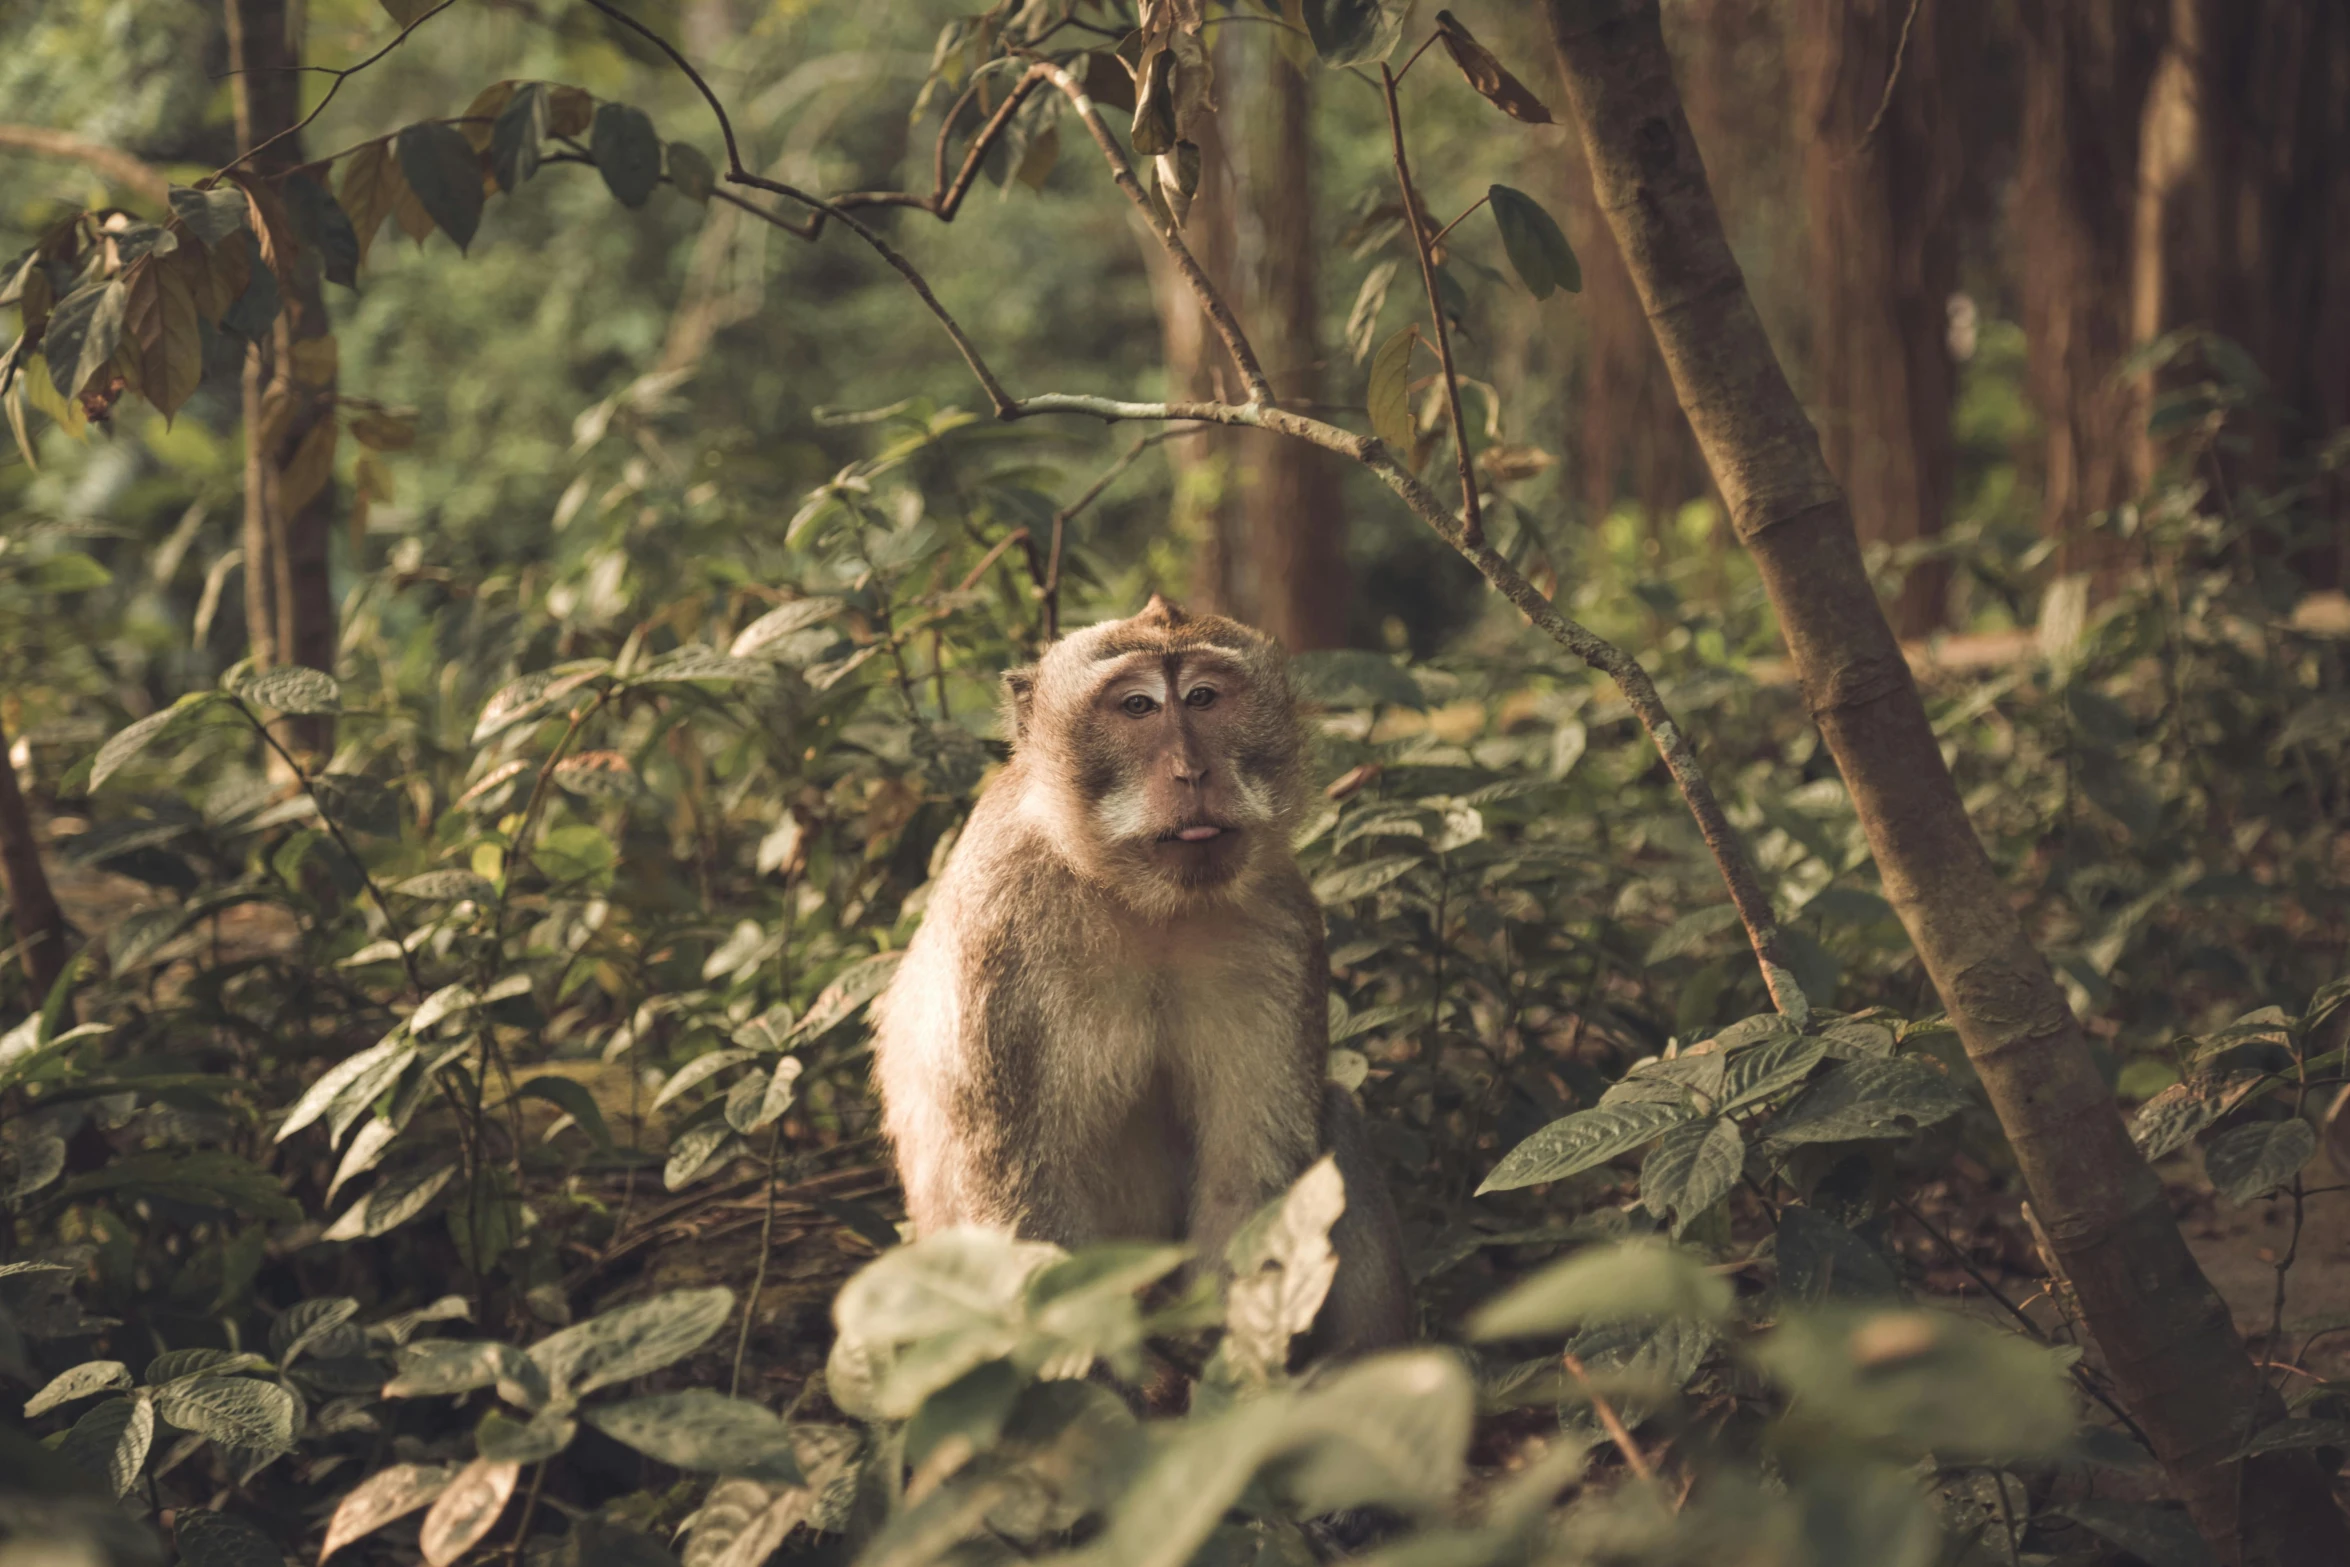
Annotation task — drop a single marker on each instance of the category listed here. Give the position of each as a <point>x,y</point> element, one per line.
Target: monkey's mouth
<point>1196,832</point>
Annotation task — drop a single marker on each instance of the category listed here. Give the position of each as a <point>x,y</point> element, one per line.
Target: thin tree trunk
<point>1883,197</point>
<point>2166,1335</point>
<point>289,394</point>
<point>32,907</point>
<point>2087,67</point>
<point>1295,514</point>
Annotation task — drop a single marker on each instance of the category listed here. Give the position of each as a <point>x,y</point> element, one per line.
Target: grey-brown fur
<point>1106,1030</point>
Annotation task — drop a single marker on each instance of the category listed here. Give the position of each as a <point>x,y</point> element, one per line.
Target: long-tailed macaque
<point>1112,1024</point>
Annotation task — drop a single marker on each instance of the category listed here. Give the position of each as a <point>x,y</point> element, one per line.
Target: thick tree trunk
<point>1295,513</point>
<point>1883,195</point>
<point>2165,1334</point>
<point>289,394</point>
<point>32,908</point>
<point>2243,213</point>
<point>2087,67</point>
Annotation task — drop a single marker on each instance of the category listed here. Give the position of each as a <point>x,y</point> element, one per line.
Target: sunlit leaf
<point>467,1510</point>
<point>92,1376</point>
<point>699,1429</point>
<point>239,1411</point>
<point>140,735</point>
<point>1389,397</point>
<point>1587,1138</point>
<point>110,1441</point>
<point>1621,1283</point>
<point>1692,1167</point>
<point>632,1340</point>
<point>381,1498</point>
<point>292,689</point>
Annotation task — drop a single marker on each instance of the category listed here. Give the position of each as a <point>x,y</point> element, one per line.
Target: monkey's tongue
<point>1200,834</point>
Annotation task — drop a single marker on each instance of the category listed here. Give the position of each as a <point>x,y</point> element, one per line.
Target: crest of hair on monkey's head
<point>1162,753</point>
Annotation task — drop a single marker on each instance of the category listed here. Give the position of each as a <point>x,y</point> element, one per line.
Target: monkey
<point>1112,1023</point>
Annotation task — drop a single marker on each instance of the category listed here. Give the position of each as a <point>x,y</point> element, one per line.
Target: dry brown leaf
<point>1487,74</point>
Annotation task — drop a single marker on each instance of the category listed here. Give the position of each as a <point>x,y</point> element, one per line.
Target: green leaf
<point>1392,1431</point>
<point>70,571</point>
<point>695,1153</point>
<point>307,1324</point>
<point>503,1439</point>
<point>111,1441</point>
<point>211,215</point>
<point>293,690</point>
<point>237,1411</point>
<point>256,309</point>
<point>1867,1099</point>
<point>2247,1162</point>
<point>402,1196</point>
<point>321,1095</point>
<point>698,1070</point>
<point>173,1364</point>
<point>1389,394</point>
<point>382,1497</point>
<point>1753,1075</point>
<point>574,1100</point>
<point>1537,247</point>
<point>208,1539</point>
<point>2157,1536</point>
<point>209,1176</point>
<point>438,1367</point>
<point>694,662</point>
<point>1628,1282</point>
<point>763,635</point>
<point>1820,1259</point>
<point>516,134</point>
<point>2170,1120</point>
<point>701,1430</point>
<point>1349,882</point>
<point>448,887</point>
<point>83,332</point>
<point>1582,1140</point>
<point>1282,1263</point>
<point>627,152</point>
<point>1691,1168</point>
<point>1689,932</point>
<point>633,1340</point>
<point>848,993</point>
<point>323,225</point>
<point>92,1376</point>
<point>131,741</point>
<point>531,695</point>
<point>442,169</point>
<point>1354,677</point>
<point>1354,32</point>
<point>691,172</point>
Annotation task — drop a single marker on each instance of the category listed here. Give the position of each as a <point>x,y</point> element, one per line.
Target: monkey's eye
<point>1200,696</point>
<point>1139,706</point>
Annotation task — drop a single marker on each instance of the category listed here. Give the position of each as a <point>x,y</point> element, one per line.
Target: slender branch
<point>1244,358</point>
<point>116,165</point>
<point>1463,218</point>
<point>1616,1430</point>
<point>1892,79</point>
<point>742,1343</point>
<point>335,830</point>
<point>1639,691</point>
<point>341,74</point>
<point>1474,523</point>
<point>945,199</point>
<point>1049,589</point>
<point>1414,60</point>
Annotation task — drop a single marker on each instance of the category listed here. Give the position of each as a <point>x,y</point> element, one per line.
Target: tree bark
<point>32,906</point>
<point>1296,522</point>
<point>289,393</point>
<point>2087,67</point>
<point>2167,1340</point>
<point>2242,215</point>
<point>1883,198</point>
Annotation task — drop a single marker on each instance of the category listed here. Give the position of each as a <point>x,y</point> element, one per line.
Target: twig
<point>530,1505</point>
<point>945,199</point>
<point>1892,77</point>
<point>1473,523</point>
<point>2080,1374</point>
<point>738,174</point>
<point>742,1343</point>
<point>1049,588</point>
<point>116,165</point>
<point>335,831</point>
<point>1414,60</point>
<point>1463,218</point>
<point>1244,358</point>
<point>1609,1418</point>
<point>341,74</point>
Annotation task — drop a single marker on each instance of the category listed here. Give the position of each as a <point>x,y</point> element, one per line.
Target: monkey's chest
<point>1178,1039</point>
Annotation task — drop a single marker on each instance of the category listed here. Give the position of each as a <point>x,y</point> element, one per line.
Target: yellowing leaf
<point>159,318</point>
<point>1389,397</point>
<point>467,1510</point>
<point>306,474</point>
<point>1487,74</point>
<point>569,110</point>
<point>371,188</point>
<point>482,113</point>
<point>314,360</point>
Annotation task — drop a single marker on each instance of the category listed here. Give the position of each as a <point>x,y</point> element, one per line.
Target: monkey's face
<point>1176,748</point>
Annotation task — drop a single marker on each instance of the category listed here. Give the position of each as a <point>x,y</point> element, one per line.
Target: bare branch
<point>1244,358</point>
<point>341,74</point>
<point>119,167</point>
<point>1425,250</point>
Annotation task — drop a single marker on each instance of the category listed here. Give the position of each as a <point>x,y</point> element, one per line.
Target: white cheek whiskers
<point>1124,814</point>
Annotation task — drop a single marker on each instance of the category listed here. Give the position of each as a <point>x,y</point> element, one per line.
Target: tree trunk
<point>1884,203</point>
<point>289,394</point>
<point>2243,213</point>
<point>1206,513</point>
<point>32,907</point>
<point>1296,522</point>
<point>2087,67</point>
<point>2166,1336</point>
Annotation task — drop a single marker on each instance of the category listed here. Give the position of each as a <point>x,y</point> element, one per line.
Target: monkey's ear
<point>1019,700</point>
<point>1160,612</point>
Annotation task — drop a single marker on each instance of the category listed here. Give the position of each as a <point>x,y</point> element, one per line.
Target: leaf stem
<point>1457,222</point>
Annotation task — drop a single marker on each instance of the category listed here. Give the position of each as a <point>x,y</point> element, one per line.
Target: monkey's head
<point>1163,753</point>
